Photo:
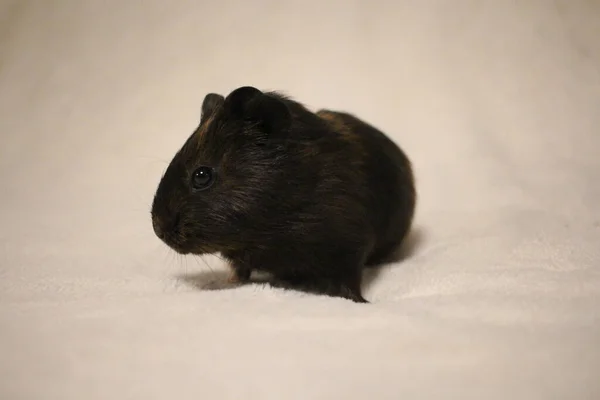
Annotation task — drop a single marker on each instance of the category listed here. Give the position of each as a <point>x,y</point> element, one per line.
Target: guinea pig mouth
<point>174,242</point>
<point>185,247</point>
<point>180,249</point>
<point>180,243</point>
<point>177,244</point>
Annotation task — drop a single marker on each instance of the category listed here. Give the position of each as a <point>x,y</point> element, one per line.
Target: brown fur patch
<point>340,124</point>
<point>343,124</point>
<point>334,120</point>
<point>201,131</point>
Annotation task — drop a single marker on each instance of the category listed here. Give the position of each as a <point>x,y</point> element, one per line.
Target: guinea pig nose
<point>169,224</point>
<point>165,226</point>
<point>175,222</point>
<point>157,227</point>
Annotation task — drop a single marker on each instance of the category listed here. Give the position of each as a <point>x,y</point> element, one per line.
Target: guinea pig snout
<point>166,226</point>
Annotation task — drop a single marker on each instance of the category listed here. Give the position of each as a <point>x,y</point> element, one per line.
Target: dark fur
<point>311,198</point>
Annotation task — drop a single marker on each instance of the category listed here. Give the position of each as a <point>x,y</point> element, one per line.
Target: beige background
<point>496,102</point>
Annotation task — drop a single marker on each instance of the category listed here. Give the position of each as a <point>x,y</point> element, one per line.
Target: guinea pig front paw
<point>221,284</point>
<point>239,274</point>
<point>233,277</point>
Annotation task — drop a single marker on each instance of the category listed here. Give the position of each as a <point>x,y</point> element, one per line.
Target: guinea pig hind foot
<point>348,288</point>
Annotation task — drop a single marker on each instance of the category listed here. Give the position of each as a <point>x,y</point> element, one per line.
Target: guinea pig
<point>310,198</point>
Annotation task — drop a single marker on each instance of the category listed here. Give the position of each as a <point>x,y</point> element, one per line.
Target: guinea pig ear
<point>237,101</point>
<point>211,102</point>
<point>251,105</point>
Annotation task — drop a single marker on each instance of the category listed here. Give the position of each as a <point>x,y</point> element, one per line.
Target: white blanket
<point>497,103</point>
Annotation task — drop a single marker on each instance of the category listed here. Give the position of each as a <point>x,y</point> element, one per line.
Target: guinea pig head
<point>215,185</point>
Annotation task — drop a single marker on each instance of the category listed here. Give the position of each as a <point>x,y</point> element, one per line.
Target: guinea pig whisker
<point>212,271</point>
<point>207,264</point>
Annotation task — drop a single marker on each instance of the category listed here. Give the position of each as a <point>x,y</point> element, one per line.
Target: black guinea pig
<point>310,198</point>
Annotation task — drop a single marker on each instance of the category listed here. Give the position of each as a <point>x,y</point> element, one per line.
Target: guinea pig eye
<point>202,178</point>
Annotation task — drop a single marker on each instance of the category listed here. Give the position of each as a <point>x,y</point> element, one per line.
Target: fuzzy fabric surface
<point>496,103</point>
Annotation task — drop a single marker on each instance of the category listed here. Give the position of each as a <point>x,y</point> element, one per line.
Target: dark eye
<point>202,178</point>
